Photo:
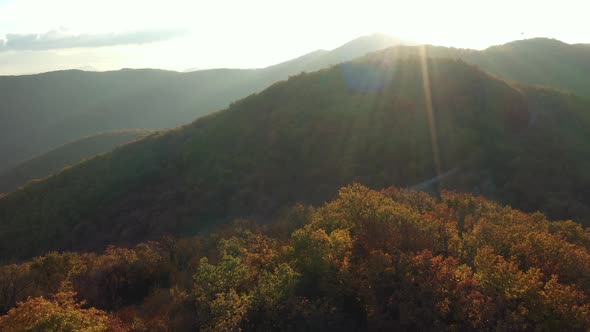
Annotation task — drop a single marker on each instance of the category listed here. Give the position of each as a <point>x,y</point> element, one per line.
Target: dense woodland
<point>302,139</point>
<point>368,260</point>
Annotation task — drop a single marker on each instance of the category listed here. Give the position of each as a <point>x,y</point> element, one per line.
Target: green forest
<point>395,259</point>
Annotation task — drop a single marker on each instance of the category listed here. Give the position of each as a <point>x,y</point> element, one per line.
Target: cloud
<point>59,39</point>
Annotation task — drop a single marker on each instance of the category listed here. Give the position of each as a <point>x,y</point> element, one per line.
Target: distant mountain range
<point>380,120</point>
<point>42,112</point>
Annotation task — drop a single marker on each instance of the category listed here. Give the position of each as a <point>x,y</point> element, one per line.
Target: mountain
<point>375,120</point>
<point>541,61</point>
<point>538,61</point>
<point>359,46</point>
<point>394,260</point>
<point>42,112</point>
<point>66,155</point>
<point>353,49</point>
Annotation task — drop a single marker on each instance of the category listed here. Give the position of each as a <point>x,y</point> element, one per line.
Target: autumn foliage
<point>61,313</point>
<point>368,260</point>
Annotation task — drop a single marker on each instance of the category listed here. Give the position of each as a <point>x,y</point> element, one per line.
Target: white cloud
<point>61,38</point>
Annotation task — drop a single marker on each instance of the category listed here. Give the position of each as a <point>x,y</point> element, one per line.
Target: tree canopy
<point>368,260</point>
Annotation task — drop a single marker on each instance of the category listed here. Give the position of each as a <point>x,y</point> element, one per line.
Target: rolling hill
<point>66,155</point>
<point>380,120</point>
<point>42,112</point>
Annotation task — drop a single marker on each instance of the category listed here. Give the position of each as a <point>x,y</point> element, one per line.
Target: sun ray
<point>430,111</point>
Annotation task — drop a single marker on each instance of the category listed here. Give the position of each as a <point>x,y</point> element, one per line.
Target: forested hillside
<point>300,140</point>
<point>67,155</point>
<point>69,105</point>
<point>367,261</point>
<point>42,112</point>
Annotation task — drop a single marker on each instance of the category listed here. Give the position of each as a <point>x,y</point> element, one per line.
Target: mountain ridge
<point>71,104</point>
<point>224,166</point>
<point>158,99</point>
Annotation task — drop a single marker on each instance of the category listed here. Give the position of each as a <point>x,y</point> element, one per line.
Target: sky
<point>45,35</point>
